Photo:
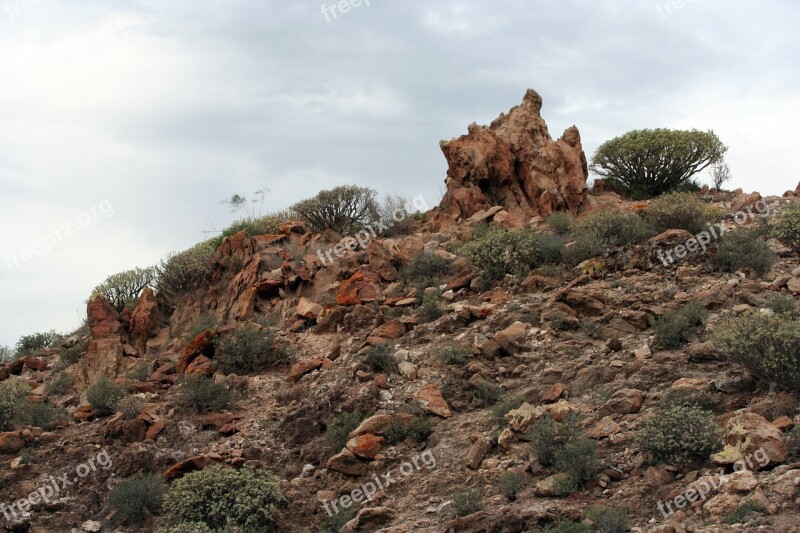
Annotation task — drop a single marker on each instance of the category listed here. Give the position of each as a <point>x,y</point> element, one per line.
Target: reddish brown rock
<point>125,431</point>
<point>362,287</point>
<point>11,369</point>
<point>155,429</point>
<point>203,345</point>
<point>348,463</point>
<point>391,330</point>
<point>145,319</point>
<point>103,319</point>
<point>751,438</point>
<point>378,424</point>
<point>304,367</point>
<point>308,309</point>
<point>11,442</point>
<point>184,467</point>
<point>34,363</point>
<point>515,163</point>
<point>200,366</point>
<point>554,393</point>
<point>477,452</point>
<point>83,413</point>
<point>432,401</point>
<point>366,446</point>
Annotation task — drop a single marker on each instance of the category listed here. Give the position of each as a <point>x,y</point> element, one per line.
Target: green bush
<point>204,322</point>
<point>500,410</point>
<point>431,309</point>
<point>390,211</point>
<point>511,484</point>
<point>465,503</point>
<point>497,252</point>
<point>104,396</point>
<point>204,394</point>
<point>69,356</point>
<point>561,222</point>
<point>609,519</point>
<point>566,526</point>
<point>39,414</point>
<point>269,224</point>
<point>793,443</point>
<point>36,342</point>
<point>453,354</point>
<point>579,460</point>
<point>786,227</point>
<point>131,407</point>
<point>418,429</point>
<point>7,355</point>
<point>781,304</point>
<point>591,328</point>
<point>182,273</point>
<point>191,527</point>
<point>743,511</point>
<point>699,399</point>
<point>248,349</point>
<point>123,289</point>
<point>767,345</point>
<point>136,497</point>
<point>673,328</point>
<point>426,270</point>
<point>344,209</point>
<point>338,429</point>
<point>649,162</point>
<point>206,496</point>
<point>59,384</point>
<point>679,210</point>
<point>586,246</point>
<point>335,523</point>
<point>547,436</point>
<point>744,249</point>
<point>680,432</point>
<point>13,395</point>
<point>613,228</point>
<point>487,393</point>
<point>381,359</point>
<point>140,372</point>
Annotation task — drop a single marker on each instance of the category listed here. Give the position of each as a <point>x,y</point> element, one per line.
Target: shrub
<point>511,484</point>
<point>204,394</point>
<point>487,393</point>
<point>69,356</point>
<point>609,519</point>
<point>191,527</point>
<point>585,247</point>
<point>500,410</point>
<point>41,415</point>
<point>122,289</point>
<point>418,429</point>
<point>465,503</point>
<point>139,372</point>
<point>767,345</point>
<point>743,510</point>
<point>561,222</point>
<point>498,252</point>
<point>781,304</point>
<point>430,309</point>
<point>578,459</point>
<point>248,349</point>
<point>744,249</point>
<point>13,394</point>
<point>793,443</point>
<point>787,227</point>
<point>36,342</point>
<point>613,228</point>
<point>59,385</point>
<point>381,359</point>
<point>591,328</point>
<point>698,399</point>
<point>104,396</point>
<point>344,209</point>
<point>182,273</point>
<point>645,163</point>
<point>678,210</point>
<point>335,523</point>
<point>674,327</point>
<point>7,355</point>
<point>204,322</point>
<point>205,496</point>
<point>426,270</point>
<point>131,407</point>
<point>680,432</point>
<point>257,225</point>
<point>338,430</point>
<point>566,526</point>
<point>397,216</point>
<point>547,436</point>
<point>453,354</point>
<point>137,496</point>
<point>720,173</point>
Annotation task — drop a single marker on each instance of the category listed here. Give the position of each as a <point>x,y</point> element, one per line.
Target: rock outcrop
<point>515,163</point>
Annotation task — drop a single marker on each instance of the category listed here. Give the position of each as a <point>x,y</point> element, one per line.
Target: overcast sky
<point>123,124</point>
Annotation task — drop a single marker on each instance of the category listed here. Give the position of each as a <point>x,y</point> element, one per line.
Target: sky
<point>124,124</point>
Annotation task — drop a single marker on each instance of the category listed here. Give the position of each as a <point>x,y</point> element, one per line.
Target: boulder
<point>751,441</point>
<point>366,446</point>
<point>10,443</point>
<point>432,401</point>
<point>308,309</point>
<point>516,164</point>
<point>145,319</point>
<point>362,287</point>
<point>304,367</point>
<point>348,463</point>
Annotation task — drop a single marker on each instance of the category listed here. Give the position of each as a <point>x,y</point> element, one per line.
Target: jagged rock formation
<point>515,163</point>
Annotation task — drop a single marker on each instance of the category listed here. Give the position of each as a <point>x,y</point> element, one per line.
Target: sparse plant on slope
<point>104,396</point>
<point>497,252</point>
<point>182,273</point>
<point>680,432</point>
<point>679,210</point>
<point>787,227</point>
<point>123,289</point>
<point>344,209</point>
<point>612,228</point>
<point>249,349</point>
<point>30,344</point>
<point>203,394</point>
<point>561,222</point>
<point>338,429</point>
<point>136,497</point>
<point>426,270</point>
<point>744,249</point>
<point>7,355</point>
<point>720,174</point>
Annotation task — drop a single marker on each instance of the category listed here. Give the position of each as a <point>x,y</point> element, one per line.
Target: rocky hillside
<point>590,388</point>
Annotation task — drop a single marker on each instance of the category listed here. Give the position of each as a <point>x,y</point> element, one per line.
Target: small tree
<point>239,203</point>
<point>344,209</point>
<point>720,173</point>
<point>6,355</point>
<point>646,163</point>
<point>124,288</point>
